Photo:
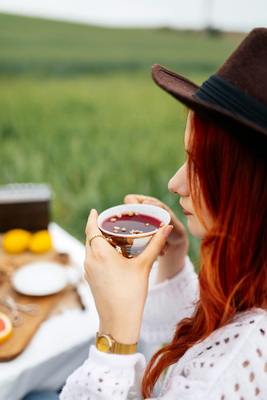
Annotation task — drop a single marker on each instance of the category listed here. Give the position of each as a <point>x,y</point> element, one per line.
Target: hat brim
<point>183,89</point>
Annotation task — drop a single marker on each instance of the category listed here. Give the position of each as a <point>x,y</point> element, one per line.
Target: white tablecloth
<point>61,343</point>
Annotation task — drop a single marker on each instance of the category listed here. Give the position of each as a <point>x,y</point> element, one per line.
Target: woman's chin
<point>195,228</point>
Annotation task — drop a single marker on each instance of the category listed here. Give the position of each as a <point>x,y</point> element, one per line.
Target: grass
<point>79,110</point>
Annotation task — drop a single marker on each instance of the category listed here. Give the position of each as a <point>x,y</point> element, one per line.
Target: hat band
<point>219,92</point>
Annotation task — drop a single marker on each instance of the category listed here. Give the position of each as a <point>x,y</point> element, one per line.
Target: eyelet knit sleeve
<point>106,377</point>
<point>167,303</point>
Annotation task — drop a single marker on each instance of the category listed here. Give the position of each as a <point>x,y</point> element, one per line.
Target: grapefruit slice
<point>5,327</point>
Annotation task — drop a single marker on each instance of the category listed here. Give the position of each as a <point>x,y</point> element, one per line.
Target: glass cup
<point>131,242</point>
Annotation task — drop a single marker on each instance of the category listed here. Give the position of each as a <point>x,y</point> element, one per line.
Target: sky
<point>229,15</point>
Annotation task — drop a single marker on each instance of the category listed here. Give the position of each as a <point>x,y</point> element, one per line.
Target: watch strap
<point>107,344</point>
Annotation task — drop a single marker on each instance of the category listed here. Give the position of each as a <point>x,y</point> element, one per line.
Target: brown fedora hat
<point>235,96</point>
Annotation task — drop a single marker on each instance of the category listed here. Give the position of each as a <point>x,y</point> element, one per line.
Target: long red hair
<point>231,177</point>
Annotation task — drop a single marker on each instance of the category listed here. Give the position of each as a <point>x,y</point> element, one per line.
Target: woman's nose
<point>179,182</point>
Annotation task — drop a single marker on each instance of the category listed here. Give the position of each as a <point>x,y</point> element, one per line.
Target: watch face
<point>104,344</point>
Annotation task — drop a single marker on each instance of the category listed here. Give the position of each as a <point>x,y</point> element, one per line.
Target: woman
<point>217,322</point>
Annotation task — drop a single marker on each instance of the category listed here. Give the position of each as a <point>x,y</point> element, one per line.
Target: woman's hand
<point>172,257</point>
<point>119,285</point>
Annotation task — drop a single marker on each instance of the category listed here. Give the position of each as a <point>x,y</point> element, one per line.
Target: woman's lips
<point>186,212</point>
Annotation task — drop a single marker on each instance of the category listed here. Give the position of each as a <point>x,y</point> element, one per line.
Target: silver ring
<point>94,236</point>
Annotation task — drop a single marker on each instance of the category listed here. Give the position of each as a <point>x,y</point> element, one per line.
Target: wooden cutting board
<point>23,333</point>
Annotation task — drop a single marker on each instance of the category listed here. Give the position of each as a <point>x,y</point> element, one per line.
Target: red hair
<point>231,177</point>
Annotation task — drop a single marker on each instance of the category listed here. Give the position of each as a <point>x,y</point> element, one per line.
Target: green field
<point>79,110</point>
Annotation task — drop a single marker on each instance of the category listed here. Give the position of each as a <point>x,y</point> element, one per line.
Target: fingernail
<point>91,212</point>
<point>167,230</point>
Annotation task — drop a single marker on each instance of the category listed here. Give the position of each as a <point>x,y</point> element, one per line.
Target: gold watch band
<point>107,344</point>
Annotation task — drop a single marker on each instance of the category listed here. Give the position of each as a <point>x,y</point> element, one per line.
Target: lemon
<point>16,241</point>
<point>41,242</point>
<point>5,327</point>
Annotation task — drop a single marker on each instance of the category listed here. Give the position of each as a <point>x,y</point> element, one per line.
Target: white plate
<point>40,279</point>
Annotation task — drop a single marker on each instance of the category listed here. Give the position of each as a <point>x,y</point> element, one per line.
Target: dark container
<point>25,206</point>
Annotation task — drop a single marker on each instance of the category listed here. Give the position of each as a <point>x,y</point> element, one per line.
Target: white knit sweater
<point>231,364</point>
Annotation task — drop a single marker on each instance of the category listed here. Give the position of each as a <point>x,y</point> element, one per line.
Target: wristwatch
<point>107,344</point>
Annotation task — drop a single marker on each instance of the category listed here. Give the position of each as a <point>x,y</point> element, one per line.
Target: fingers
<point>93,233</point>
<point>96,244</point>
<point>179,231</point>
<point>92,226</point>
<point>133,198</point>
<point>139,198</point>
<point>156,245</point>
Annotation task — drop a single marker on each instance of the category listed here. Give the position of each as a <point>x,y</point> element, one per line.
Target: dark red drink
<point>131,223</point>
